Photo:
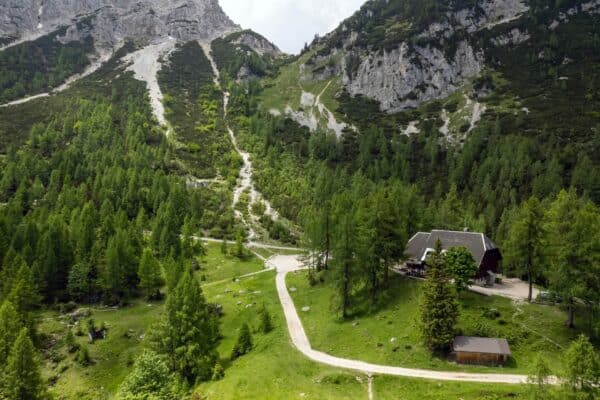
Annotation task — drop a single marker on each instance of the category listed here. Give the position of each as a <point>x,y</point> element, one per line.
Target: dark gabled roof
<point>477,243</point>
<point>466,344</point>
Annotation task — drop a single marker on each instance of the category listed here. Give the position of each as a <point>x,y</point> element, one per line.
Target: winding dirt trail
<point>286,264</point>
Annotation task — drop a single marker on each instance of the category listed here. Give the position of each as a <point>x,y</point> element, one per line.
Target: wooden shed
<point>484,351</point>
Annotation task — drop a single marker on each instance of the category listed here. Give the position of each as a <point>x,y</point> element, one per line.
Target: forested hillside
<point>137,246</point>
<point>500,147</point>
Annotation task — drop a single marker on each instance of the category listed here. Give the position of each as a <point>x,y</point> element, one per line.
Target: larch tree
<point>150,275</point>
<point>10,326</point>
<point>344,246</point>
<point>438,307</point>
<point>573,251</point>
<point>524,246</point>
<point>582,375</point>
<point>21,378</point>
<point>188,333</point>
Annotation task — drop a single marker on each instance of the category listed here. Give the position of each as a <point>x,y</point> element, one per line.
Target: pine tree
<point>188,333</point>
<point>243,344</point>
<point>22,379</point>
<point>438,307</point>
<point>150,275</point>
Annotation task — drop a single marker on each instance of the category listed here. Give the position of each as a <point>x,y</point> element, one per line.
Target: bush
<point>218,372</point>
<point>491,313</point>
<point>83,357</point>
<point>482,329</point>
<point>72,345</point>
<point>243,344</point>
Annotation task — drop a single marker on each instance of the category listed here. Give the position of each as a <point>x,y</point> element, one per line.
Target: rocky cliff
<point>405,53</point>
<point>112,21</point>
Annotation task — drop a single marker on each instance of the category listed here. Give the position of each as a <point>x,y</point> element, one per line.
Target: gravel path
<point>286,264</point>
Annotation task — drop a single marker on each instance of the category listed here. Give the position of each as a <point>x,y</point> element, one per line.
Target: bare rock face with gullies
<point>113,21</point>
<point>412,74</point>
<point>408,76</point>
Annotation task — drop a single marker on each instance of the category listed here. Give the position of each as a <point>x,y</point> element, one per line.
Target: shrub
<point>491,313</point>
<point>218,372</point>
<point>72,345</point>
<point>482,329</point>
<point>83,357</point>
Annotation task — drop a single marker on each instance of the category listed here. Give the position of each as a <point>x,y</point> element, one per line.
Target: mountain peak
<point>111,22</point>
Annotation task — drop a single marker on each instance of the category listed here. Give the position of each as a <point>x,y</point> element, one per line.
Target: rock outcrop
<point>439,61</point>
<point>257,43</point>
<point>409,76</point>
<point>113,21</point>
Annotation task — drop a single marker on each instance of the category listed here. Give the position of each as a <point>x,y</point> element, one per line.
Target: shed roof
<point>467,344</point>
<point>477,243</point>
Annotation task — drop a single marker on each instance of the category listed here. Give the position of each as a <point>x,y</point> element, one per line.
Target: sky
<point>290,23</point>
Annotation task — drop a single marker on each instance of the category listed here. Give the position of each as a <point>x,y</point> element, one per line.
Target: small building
<point>486,254</point>
<point>483,351</point>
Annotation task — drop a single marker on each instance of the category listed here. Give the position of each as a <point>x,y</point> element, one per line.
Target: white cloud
<point>290,23</point>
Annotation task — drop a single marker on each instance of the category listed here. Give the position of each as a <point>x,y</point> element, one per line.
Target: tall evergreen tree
<point>188,333</point>
<point>582,375</point>
<point>344,247</point>
<point>10,326</point>
<point>438,307</point>
<point>524,246</point>
<point>22,379</point>
<point>24,296</point>
<point>150,275</point>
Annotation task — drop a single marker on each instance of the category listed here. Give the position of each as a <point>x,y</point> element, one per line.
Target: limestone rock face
<point>408,76</point>
<point>439,62</point>
<point>259,44</point>
<point>113,21</point>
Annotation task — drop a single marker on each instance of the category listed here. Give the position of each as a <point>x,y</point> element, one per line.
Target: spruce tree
<point>22,379</point>
<point>438,307</point>
<point>243,344</point>
<point>150,275</point>
<point>266,324</point>
<point>188,333</point>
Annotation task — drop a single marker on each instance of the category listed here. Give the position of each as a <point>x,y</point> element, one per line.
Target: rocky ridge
<point>112,22</point>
